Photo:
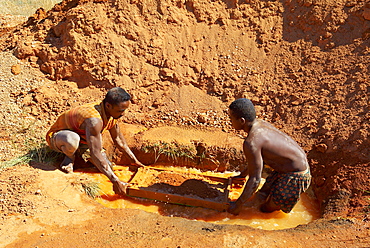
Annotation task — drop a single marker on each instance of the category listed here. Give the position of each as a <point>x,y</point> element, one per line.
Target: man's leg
<point>269,206</point>
<point>67,141</point>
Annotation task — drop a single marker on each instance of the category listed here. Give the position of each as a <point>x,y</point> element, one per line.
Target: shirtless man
<point>80,130</point>
<point>266,144</point>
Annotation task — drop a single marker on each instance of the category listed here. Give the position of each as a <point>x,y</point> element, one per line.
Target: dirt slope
<point>304,63</point>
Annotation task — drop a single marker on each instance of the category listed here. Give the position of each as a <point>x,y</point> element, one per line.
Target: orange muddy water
<point>306,210</point>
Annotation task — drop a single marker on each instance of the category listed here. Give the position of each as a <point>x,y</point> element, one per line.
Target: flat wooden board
<point>181,188</point>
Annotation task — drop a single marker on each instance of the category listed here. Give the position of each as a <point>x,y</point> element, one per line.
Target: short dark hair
<point>116,95</point>
<point>243,108</point>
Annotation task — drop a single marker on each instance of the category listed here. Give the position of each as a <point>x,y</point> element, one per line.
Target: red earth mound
<point>304,64</point>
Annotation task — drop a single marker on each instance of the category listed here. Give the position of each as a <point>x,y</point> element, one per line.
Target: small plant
<point>37,152</point>
<point>19,160</point>
<point>172,150</point>
<point>91,189</point>
<point>43,154</point>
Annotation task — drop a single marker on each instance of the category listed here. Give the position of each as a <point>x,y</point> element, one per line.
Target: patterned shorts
<point>286,188</point>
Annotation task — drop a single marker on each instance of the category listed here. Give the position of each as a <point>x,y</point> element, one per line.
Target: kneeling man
<point>267,144</point>
<point>80,130</point>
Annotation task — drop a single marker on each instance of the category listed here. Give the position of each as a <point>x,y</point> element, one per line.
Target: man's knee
<point>67,141</point>
<point>73,139</point>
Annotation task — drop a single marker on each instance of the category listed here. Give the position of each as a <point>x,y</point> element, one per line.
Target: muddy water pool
<point>306,210</point>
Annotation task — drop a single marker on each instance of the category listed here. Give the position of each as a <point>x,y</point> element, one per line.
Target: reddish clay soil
<point>303,63</point>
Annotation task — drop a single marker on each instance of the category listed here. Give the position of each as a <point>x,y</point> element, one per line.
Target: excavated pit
<point>216,157</point>
<point>303,64</point>
<point>196,195</point>
<point>193,188</point>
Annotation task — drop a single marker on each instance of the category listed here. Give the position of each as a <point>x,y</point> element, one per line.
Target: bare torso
<point>278,150</point>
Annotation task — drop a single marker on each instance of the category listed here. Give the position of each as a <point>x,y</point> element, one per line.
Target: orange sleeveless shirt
<point>72,120</point>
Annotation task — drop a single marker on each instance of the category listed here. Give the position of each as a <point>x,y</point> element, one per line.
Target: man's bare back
<point>279,151</point>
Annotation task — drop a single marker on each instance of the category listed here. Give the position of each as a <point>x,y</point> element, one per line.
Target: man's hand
<point>137,163</point>
<point>238,181</point>
<point>120,188</point>
<point>234,208</point>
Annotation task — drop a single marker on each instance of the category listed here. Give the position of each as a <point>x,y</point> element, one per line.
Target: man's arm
<point>120,141</point>
<point>255,166</point>
<point>93,127</point>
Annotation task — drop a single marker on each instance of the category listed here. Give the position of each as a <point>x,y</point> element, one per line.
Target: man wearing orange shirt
<point>80,129</point>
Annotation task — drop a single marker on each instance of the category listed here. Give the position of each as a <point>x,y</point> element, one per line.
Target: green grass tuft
<point>92,189</point>
<point>43,154</point>
<point>172,150</point>
<point>19,160</point>
<point>38,153</point>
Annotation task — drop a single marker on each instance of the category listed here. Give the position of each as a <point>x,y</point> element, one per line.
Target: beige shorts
<point>83,149</point>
